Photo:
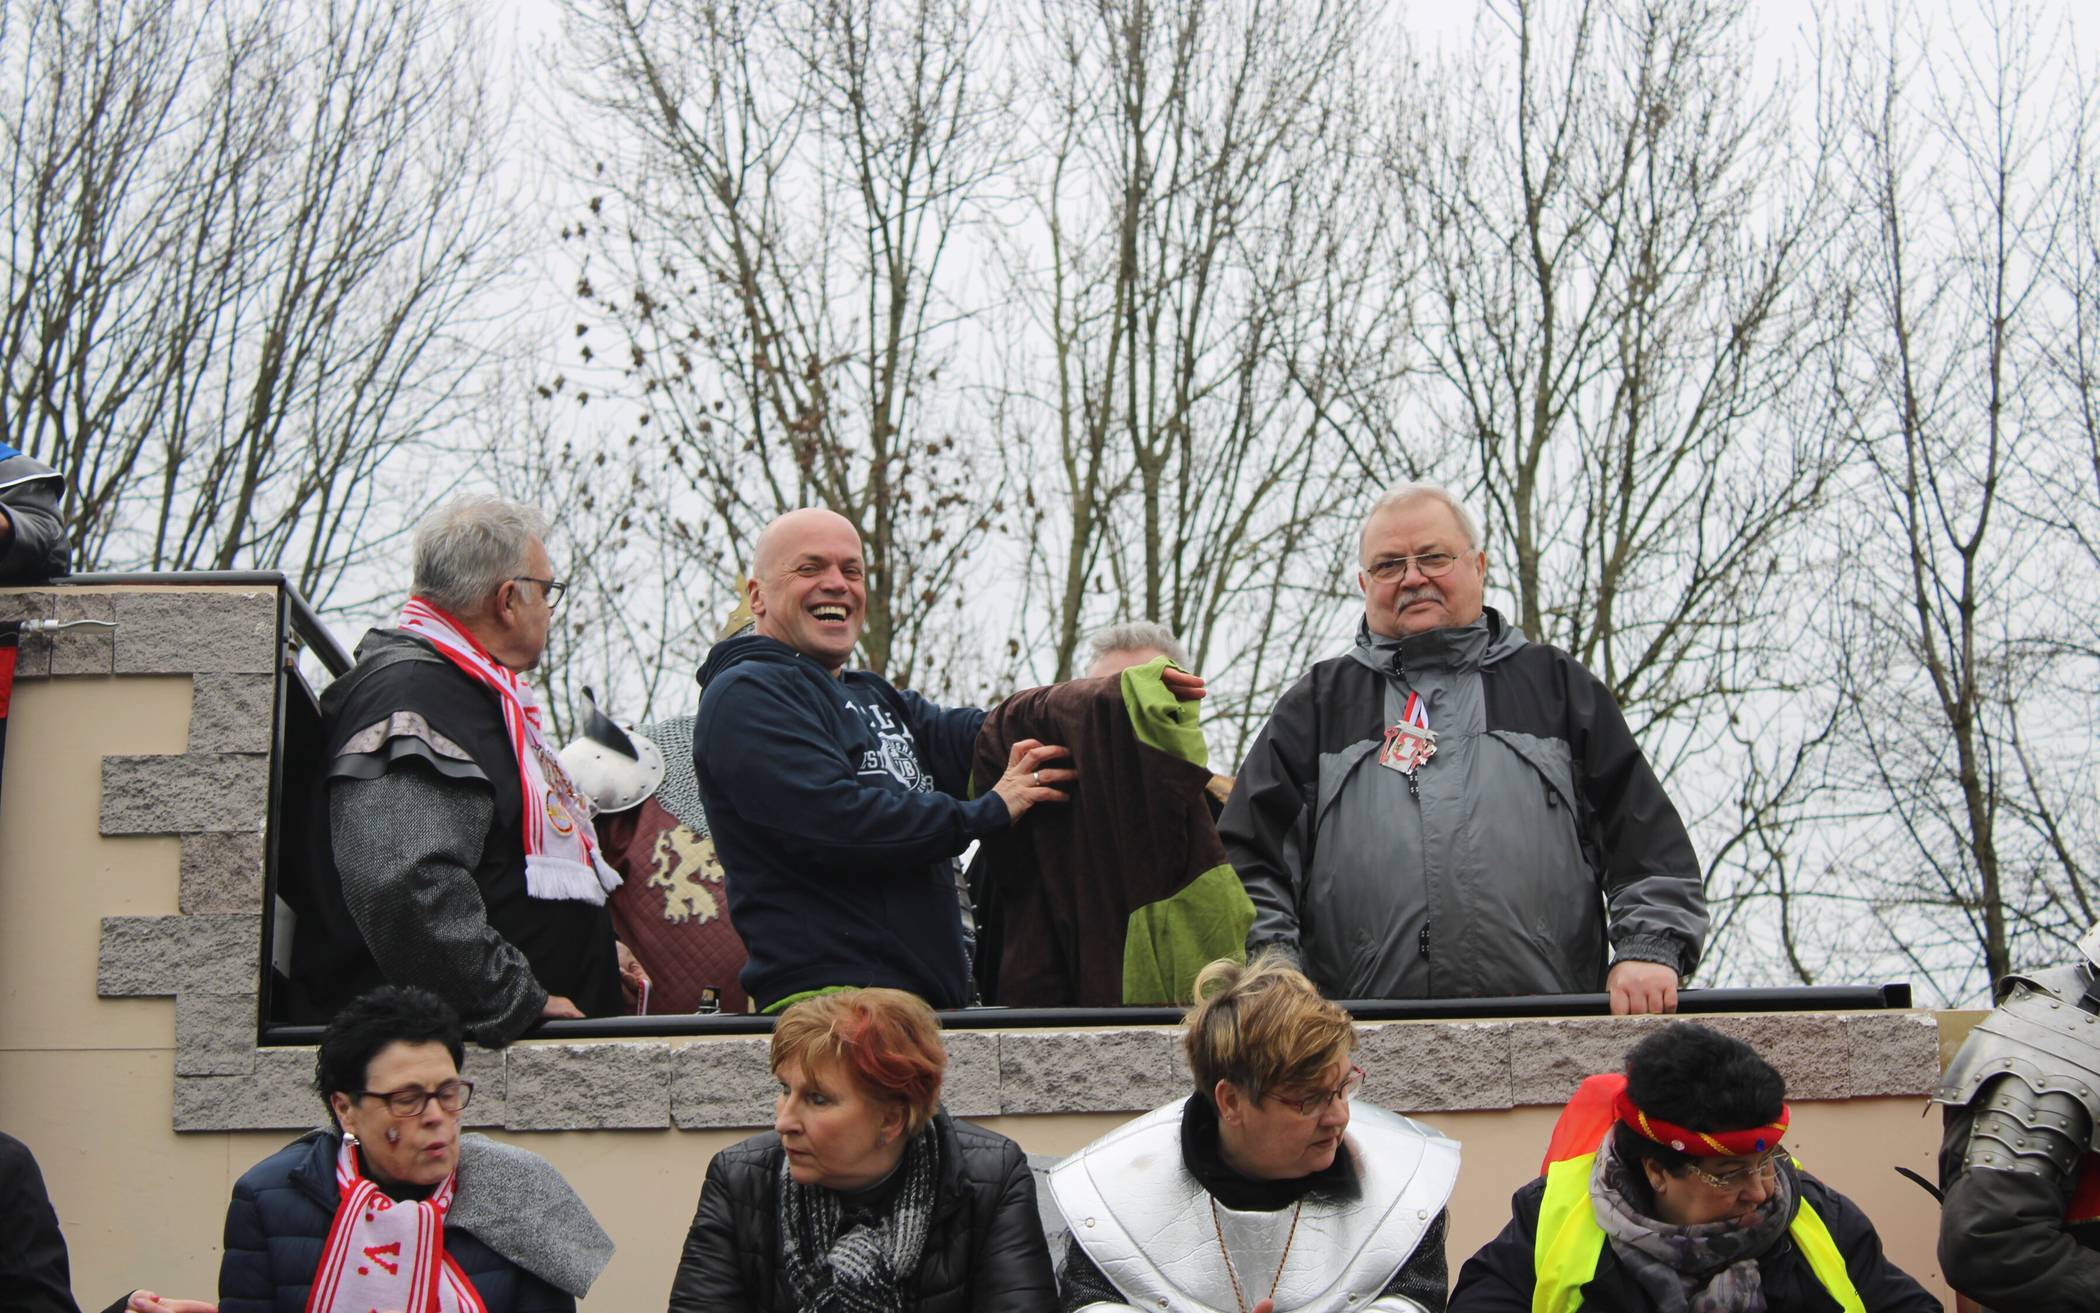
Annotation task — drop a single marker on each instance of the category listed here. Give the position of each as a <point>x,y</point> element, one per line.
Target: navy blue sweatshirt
<point>836,806</point>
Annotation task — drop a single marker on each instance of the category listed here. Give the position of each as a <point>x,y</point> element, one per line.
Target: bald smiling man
<point>837,801</point>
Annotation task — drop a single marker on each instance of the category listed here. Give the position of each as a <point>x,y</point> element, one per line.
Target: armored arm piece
<point>2022,1097</point>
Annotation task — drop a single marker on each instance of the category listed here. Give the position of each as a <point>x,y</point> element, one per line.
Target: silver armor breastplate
<point>1146,1222</point>
<point>2040,1034</point>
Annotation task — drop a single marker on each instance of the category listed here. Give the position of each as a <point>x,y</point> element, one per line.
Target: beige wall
<point>86,1081</point>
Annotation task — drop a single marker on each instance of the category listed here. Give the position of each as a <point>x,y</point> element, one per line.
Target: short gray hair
<point>466,548</point>
<point>1136,636</point>
<point>1402,493</point>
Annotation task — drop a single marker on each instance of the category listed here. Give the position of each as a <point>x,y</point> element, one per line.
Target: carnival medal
<point>1411,743</point>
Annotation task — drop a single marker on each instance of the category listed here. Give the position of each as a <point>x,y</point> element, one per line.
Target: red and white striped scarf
<point>384,1254</point>
<point>561,852</point>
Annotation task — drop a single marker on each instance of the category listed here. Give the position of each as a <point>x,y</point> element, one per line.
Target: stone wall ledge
<point>725,1084</point>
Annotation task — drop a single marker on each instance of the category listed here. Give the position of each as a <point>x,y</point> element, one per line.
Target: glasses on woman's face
<point>451,1096</point>
<point>1766,1167</point>
<point>1312,1103</point>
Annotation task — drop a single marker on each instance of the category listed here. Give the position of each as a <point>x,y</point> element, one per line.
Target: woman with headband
<point>1667,1189</point>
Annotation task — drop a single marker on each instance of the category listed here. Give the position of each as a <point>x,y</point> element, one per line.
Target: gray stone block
<point>1891,1053</point>
<point>86,649</point>
<point>215,1034</point>
<point>222,872</point>
<point>971,1086</point>
<point>490,1072</point>
<point>144,956</point>
<point>232,713</point>
<point>277,1096</point>
<point>722,1084</point>
<point>193,793</point>
<point>571,1087</point>
<point>1435,1066</point>
<point>201,630</point>
<point>1548,1059</point>
<point>1088,1071</point>
<point>1808,1049</point>
<point>33,651</point>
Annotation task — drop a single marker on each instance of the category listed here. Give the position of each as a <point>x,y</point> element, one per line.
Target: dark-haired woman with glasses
<point>1265,1190</point>
<point>1667,1188</point>
<point>394,1208</point>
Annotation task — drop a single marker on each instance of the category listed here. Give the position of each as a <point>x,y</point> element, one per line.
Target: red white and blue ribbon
<point>1417,712</point>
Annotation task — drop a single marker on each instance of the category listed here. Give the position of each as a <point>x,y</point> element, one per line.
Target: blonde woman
<point>1267,1189</point>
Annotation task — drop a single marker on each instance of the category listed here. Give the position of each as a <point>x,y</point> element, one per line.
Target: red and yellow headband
<point>1710,1144</point>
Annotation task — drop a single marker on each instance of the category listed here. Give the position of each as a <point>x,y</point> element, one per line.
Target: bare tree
<point>1207,292</point>
<point>1614,231</point>
<point>1970,699</point>
<point>246,246</point>
<point>776,188</point>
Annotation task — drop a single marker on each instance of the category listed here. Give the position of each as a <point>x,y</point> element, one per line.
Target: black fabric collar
<point>1244,1194</point>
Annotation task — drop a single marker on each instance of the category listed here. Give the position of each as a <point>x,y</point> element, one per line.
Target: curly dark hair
<point>1703,1081</point>
<point>390,1014</point>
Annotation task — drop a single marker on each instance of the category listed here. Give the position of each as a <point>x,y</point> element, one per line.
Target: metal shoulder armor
<point>2040,1034</point>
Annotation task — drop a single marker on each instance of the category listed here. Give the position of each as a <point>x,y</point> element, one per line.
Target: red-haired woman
<point>865,1195</point>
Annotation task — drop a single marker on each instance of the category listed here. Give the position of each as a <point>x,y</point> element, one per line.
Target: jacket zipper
<point>1414,791</point>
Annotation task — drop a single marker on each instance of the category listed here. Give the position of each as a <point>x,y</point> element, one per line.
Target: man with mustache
<point>837,801</point>
<point>1450,810</point>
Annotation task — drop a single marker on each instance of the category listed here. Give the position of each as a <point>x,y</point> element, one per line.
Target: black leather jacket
<point>986,1252</point>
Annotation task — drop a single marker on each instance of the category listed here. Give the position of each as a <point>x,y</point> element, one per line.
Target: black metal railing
<point>1690,1002</point>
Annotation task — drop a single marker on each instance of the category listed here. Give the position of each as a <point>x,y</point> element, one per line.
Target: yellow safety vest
<point>1570,1242</point>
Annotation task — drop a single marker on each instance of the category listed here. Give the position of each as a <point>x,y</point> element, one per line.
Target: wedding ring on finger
<point>1036,777</point>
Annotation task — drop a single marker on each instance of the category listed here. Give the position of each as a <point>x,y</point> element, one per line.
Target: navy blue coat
<point>837,806</point>
<point>278,1224</point>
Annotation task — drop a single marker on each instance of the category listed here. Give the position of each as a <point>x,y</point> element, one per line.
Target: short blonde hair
<point>887,1041</point>
<point>1263,1026</point>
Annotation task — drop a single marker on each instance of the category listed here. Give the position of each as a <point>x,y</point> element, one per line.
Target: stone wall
<point>209,956</point>
<point>215,796</point>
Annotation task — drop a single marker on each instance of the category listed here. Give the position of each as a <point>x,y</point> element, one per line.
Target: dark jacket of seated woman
<point>1670,1188</point>
<point>865,1194</point>
<point>985,1251</point>
<point>392,1207</point>
<point>1499,1278</point>
<point>278,1224</point>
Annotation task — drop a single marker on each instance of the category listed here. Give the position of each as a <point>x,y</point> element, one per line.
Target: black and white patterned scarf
<point>1709,1268</point>
<point>866,1266</point>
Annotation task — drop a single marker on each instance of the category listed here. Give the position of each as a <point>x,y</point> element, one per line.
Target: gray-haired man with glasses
<point>1451,810</point>
<point>446,846</point>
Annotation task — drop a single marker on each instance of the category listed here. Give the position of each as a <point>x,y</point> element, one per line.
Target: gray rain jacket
<point>1538,821</point>
<point>30,494</point>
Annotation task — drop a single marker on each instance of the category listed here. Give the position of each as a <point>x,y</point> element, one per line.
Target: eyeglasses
<point>1433,565</point>
<point>552,589</point>
<point>1311,1104</point>
<point>1767,1166</point>
<point>451,1096</point>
